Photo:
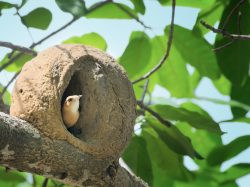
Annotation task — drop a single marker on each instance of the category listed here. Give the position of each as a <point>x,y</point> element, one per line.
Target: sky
<point>116,33</point>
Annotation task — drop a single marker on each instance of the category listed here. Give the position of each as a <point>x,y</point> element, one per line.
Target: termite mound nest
<point>107,108</point>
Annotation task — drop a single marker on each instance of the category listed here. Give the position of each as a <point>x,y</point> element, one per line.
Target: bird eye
<point>69,100</point>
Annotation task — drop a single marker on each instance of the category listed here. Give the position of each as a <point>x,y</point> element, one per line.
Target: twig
<point>230,15</point>
<point>144,90</point>
<point>53,33</point>
<point>131,15</point>
<point>217,49</point>
<point>140,104</point>
<point>11,54</point>
<point>239,18</point>
<point>168,48</point>
<point>230,36</point>
<point>45,182</point>
<point>13,78</point>
<point>18,48</point>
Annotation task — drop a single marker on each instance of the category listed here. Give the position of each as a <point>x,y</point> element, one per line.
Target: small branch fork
<point>155,114</point>
<point>224,32</point>
<point>167,52</point>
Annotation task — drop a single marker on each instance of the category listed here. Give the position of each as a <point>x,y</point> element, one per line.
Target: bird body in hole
<point>70,113</point>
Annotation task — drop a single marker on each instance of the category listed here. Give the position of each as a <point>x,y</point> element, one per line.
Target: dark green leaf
<point>5,5</point>
<point>226,152</point>
<point>210,14</point>
<point>39,18</point>
<point>76,8</point>
<point>139,6</point>
<point>18,64</point>
<point>159,153</point>
<point>136,56</point>
<point>234,172</point>
<point>171,136</point>
<point>241,94</point>
<point>193,118</point>
<point>137,158</point>
<point>11,176</point>
<point>173,74</point>
<point>182,174</point>
<point>242,119</point>
<point>195,108</point>
<point>223,85</point>
<point>234,59</point>
<point>161,178</point>
<point>229,184</point>
<point>92,39</point>
<point>196,51</point>
<point>111,11</point>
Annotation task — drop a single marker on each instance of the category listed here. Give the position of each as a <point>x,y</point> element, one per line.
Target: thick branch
<point>24,148</point>
<point>168,48</point>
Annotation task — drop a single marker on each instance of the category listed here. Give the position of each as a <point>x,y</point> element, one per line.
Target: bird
<point>70,113</point>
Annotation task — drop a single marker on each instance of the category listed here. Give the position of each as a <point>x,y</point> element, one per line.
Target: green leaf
<point>195,108</point>
<point>242,119</point>
<point>183,174</point>
<point>204,142</point>
<point>92,39</point>
<point>18,64</point>
<point>6,96</point>
<point>137,158</point>
<point>240,94</point>
<point>195,80</point>
<point>159,153</point>
<point>190,3</point>
<point>234,172</point>
<point>173,74</point>
<point>171,136</point>
<point>226,152</point>
<point>139,6</point>
<point>229,184</point>
<point>5,5</point>
<point>210,14</point>
<point>196,51</point>
<point>138,35</point>
<point>223,85</point>
<point>39,18</point>
<point>193,118</point>
<point>11,176</point>
<point>234,59</point>
<point>161,178</point>
<point>136,56</point>
<point>76,8</point>
<point>111,11</point>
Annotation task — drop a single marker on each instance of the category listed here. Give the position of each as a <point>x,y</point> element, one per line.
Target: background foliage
<point>156,152</point>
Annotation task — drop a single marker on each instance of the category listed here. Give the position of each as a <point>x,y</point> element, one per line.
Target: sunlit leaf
<point>111,11</point>
<point>196,51</point>
<point>18,64</point>
<point>159,153</point>
<point>190,3</point>
<point>76,8</point>
<point>195,80</point>
<point>92,39</point>
<point>193,118</point>
<point>6,96</point>
<point>137,158</point>
<point>171,136</point>
<point>234,59</point>
<point>226,152</point>
<point>11,176</point>
<point>223,85</point>
<point>161,178</point>
<point>39,18</point>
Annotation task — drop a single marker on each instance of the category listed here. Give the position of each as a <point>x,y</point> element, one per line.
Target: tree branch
<point>13,78</point>
<point>24,148</point>
<point>232,12</point>
<point>168,48</point>
<point>144,90</point>
<point>18,48</point>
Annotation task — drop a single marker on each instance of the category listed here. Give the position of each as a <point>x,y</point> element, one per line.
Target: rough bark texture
<point>24,148</point>
<point>108,105</point>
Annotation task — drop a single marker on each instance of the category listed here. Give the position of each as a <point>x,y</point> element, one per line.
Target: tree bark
<point>24,148</point>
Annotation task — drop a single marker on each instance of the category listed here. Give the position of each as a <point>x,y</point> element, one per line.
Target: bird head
<point>72,102</point>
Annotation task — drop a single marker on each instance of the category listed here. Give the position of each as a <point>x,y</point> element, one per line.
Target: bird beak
<point>79,97</point>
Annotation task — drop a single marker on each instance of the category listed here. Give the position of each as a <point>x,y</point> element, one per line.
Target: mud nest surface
<point>107,108</point>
